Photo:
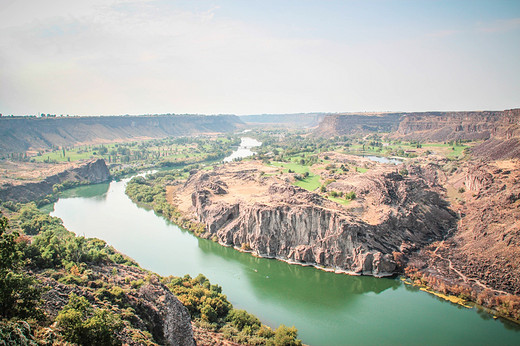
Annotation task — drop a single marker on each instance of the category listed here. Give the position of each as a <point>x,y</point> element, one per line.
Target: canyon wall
<point>347,124</point>
<point>499,130</point>
<point>448,126</point>
<point>298,120</point>
<point>87,172</point>
<point>23,133</point>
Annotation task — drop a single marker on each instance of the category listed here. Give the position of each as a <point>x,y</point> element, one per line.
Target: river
<point>327,308</point>
<point>244,150</point>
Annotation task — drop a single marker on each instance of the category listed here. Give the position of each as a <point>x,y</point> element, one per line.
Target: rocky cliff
<point>347,124</point>
<point>447,126</point>
<point>88,172</point>
<point>22,134</point>
<point>391,214</point>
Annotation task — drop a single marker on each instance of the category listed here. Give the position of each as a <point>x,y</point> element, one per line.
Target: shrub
<point>286,336</point>
<point>19,293</point>
<point>350,196</point>
<point>81,324</point>
<point>241,318</point>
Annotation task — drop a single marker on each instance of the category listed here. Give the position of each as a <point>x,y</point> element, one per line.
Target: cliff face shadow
<point>283,283</point>
<point>95,191</point>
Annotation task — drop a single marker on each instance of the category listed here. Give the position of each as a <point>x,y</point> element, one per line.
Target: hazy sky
<point>248,57</point>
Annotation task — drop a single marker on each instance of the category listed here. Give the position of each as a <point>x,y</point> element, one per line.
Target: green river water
<point>327,308</point>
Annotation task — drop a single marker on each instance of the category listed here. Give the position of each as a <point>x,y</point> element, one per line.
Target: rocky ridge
<point>86,172</point>
<point>447,126</point>
<point>292,224</point>
<point>483,253</point>
<point>499,130</point>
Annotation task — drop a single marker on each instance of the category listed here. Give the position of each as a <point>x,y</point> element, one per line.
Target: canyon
<point>450,224</point>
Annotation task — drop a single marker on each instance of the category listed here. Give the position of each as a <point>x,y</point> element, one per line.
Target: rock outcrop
<point>292,224</point>
<point>88,172</point>
<point>168,319</point>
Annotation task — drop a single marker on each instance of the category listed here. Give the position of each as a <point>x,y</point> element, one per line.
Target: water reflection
<point>382,159</point>
<point>96,191</point>
<point>285,284</point>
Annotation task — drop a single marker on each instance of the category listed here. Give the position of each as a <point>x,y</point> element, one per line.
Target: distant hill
<point>297,120</point>
<point>347,124</point>
<point>20,134</point>
<point>499,130</point>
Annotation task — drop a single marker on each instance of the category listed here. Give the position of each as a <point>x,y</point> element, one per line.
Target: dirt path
<point>464,277</point>
<point>450,263</point>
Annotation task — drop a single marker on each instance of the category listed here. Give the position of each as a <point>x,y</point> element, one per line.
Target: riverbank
<point>142,306</point>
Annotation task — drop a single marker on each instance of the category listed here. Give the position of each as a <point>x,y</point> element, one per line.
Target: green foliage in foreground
<point>108,316</point>
<point>80,323</point>
<point>19,296</point>
<point>210,308</point>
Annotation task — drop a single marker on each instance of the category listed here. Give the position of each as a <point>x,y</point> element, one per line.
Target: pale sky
<point>248,57</point>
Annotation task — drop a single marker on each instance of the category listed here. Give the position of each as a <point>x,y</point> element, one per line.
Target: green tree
<point>286,336</point>
<point>350,196</point>
<point>19,293</point>
<point>81,324</point>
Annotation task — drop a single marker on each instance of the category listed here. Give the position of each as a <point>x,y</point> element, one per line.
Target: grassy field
<point>165,149</point>
<point>295,167</point>
<point>311,183</point>
<point>339,200</point>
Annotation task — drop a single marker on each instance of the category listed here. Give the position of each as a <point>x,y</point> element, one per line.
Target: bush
<point>350,196</point>
<point>241,319</point>
<point>81,324</point>
<point>286,336</point>
<point>16,333</point>
<point>19,293</point>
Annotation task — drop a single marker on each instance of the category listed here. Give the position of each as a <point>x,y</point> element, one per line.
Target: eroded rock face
<point>346,124</point>
<point>170,320</point>
<point>93,171</point>
<point>446,126</point>
<point>296,225</point>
